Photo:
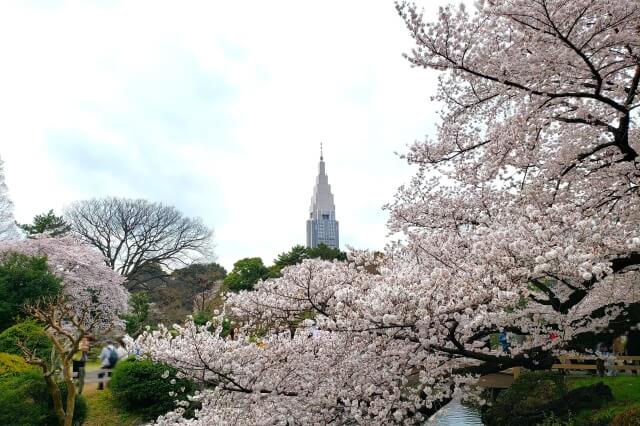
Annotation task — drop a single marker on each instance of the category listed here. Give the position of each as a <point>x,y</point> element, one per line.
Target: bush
<point>21,398</point>
<point>542,398</point>
<point>24,398</point>
<point>532,398</point>
<point>11,364</point>
<point>591,397</point>
<point>630,417</point>
<point>139,386</point>
<point>31,334</point>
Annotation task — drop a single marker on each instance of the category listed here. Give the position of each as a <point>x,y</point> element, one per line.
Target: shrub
<point>139,386</point>
<point>24,398</point>
<point>11,364</point>
<point>21,398</point>
<point>542,398</point>
<point>532,398</point>
<point>591,397</point>
<point>630,417</point>
<point>30,333</point>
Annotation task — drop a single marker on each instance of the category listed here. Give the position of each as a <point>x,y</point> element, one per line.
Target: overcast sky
<point>215,107</point>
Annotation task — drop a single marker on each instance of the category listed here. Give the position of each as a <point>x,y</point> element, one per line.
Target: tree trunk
<point>54,391</point>
<point>71,392</point>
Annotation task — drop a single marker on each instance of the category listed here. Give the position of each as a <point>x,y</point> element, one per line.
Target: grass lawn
<point>103,410</point>
<point>626,394</point>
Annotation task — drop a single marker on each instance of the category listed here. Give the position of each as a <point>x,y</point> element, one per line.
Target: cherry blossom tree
<point>8,229</point>
<point>523,217</point>
<point>92,300</point>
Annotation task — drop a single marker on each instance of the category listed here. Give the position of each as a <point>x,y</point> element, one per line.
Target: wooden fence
<point>600,364</point>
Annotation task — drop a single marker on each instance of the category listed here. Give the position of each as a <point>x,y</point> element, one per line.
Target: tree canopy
<point>23,280</point>
<point>299,253</point>
<point>246,273</point>
<point>47,223</point>
<point>91,301</point>
<point>133,234</point>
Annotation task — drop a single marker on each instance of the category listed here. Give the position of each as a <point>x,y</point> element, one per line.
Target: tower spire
<point>322,226</point>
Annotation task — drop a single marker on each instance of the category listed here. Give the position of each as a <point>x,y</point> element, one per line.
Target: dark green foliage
<point>138,386</point>
<point>201,318</point>
<point>23,280</point>
<point>294,256</point>
<point>47,223</point>
<point>24,399</point>
<point>541,395</point>
<point>246,273</point>
<point>299,253</point>
<point>528,401</point>
<point>588,397</point>
<point>139,313</point>
<point>31,334</point>
<point>630,417</point>
<point>323,251</point>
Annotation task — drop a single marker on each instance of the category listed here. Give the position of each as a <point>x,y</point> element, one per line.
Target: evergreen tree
<point>47,223</point>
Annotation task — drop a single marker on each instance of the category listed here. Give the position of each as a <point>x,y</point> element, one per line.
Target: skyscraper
<point>322,226</point>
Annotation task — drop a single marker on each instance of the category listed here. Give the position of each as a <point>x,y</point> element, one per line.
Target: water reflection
<point>456,414</point>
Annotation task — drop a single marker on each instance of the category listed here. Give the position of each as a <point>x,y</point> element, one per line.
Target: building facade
<point>322,226</point>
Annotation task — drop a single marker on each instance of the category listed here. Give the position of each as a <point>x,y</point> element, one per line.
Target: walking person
<point>503,339</point>
<point>109,359</point>
<point>605,360</point>
<point>80,364</point>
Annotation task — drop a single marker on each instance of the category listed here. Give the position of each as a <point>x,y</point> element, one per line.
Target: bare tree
<point>8,229</point>
<point>136,234</point>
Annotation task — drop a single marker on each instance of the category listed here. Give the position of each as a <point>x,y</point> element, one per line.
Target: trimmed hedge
<point>31,334</point>
<point>138,386</point>
<point>24,398</point>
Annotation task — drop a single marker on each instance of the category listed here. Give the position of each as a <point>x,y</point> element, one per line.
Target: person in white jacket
<point>109,358</point>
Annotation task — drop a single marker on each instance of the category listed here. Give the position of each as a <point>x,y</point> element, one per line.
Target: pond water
<point>456,414</point>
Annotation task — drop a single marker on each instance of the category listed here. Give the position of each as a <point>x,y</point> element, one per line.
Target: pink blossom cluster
<point>523,218</point>
<point>88,284</point>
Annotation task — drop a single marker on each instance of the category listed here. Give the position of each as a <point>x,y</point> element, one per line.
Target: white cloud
<point>215,107</point>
